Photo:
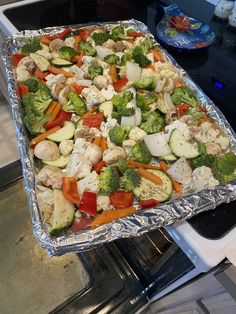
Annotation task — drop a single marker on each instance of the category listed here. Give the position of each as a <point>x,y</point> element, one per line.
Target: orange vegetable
<point>157,55</point>
<point>51,107</point>
<point>135,164</point>
<point>204,119</point>
<point>110,215</point>
<point>151,66</point>
<point>179,83</point>
<point>70,190</point>
<point>44,40</point>
<point>77,39</point>
<point>120,83</point>
<point>177,186</point>
<point>97,140</point>
<point>149,176</point>
<point>98,167</point>
<point>113,73</point>
<point>42,136</point>
<point>55,111</point>
<point>164,166</point>
<point>78,59</point>
<point>55,70</point>
<point>103,144</point>
<point>121,199</point>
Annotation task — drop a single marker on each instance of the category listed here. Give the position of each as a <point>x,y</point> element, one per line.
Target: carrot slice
<point>177,186</point>
<point>135,164</point>
<point>151,66</point>
<point>204,119</point>
<point>149,176</point>
<point>103,144</point>
<point>55,111</point>
<point>97,140</point>
<point>179,84</point>
<point>55,70</point>
<point>77,39</point>
<point>51,107</point>
<point>110,215</point>
<point>164,166</point>
<point>42,136</point>
<point>44,40</point>
<point>157,55</point>
<point>113,73</point>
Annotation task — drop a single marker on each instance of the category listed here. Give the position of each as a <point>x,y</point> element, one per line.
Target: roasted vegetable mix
<point>114,126</point>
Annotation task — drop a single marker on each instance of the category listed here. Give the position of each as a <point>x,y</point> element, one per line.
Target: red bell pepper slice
<point>61,35</point>
<point>135,34</point>
<point>98,167</point>
<point>120,83</point>
<point>16,57</point>
<point>148,203</point>
<point>182,109</point>
<point>120,199</point>
<point>89,204</point>
<point>59,121</point>
<point>80,224</point>
<point>83,34</point>
<point>40,75</point>
<point>93,120</point>
<point>79,89</point>
<point>202,109</point>
<point>70,190</point>
<point>22,90</point>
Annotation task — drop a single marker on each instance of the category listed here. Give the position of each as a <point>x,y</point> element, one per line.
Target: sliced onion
<point>102,52</point>
<point>128,121</point>
<point>138,116</point>
<point>157,144</point>
<point>133,71</point>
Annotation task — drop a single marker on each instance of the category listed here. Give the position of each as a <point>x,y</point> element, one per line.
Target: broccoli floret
<point>224,178</point>
<point>66,52</point>
<point>140,152</point>
<point>121,99</point>
<point>207,160</point>
<point>32,84</point>
<point>184,94</point>
<point>130,180</point>
<point>145,82</point>
<point>87,48</point>
<point>122,165</point>
<point>108,180</point>
<point>127,56</point>
<point>100,38</point>
<point>118,134</point>
<point>202,149</point>
<point>227,164</point>
<point>145,99</point>
<point>196,114</point>
<point>139,57</point>
<point>145,44</point>
<point>35,124</point>
<point>118,32</point>
<point>27,99</point>
<point>41,101</point>
<point>154,122</point>
<point>75,104</point>
<point>112,59</point>
<point>30,47</point>
<point>94,70</point>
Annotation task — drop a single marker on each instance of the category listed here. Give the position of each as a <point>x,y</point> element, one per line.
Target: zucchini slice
<point>65,133</point>
<point>59,62</point>
<point>106,107</point>
<point>147,189</point>
<point>170,157</point>
<point>41,62</point>
<point>180,147</point>
<point>63,213</point>
<point>61,162</point>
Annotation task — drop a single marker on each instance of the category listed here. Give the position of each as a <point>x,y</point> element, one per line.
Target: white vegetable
<point>157,144</point>
<point>181,171</point>
<point>47,150</point>
<point>137,134</point>
<point>93,153</point>
<point>150,56</point>
<point>138,116</point>
<point>128,121</point>
<point>102,52</point>
<point>86,83</point>
<point>133,71</point>
<point>203,178</point>
<point>89,183</point>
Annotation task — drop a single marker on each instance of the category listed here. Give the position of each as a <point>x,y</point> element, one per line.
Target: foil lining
<point>142,221</point>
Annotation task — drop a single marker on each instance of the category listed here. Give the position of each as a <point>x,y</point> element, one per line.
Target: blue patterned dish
<point>182,32</point>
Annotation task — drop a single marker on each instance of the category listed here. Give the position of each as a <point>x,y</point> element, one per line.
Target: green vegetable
<point>227,163</point>
<point>130,180</point>
<point>127,56</point>
<point>32,84</point>
<point>118,134</point>
<point>207,160</point>
<point>75,104</point>
<point>100,38</point>
<point>66,52</point>
<point>87,48</point>
<point>35,124</point>
<point>184,94</point>
<point>145,99</point>
<point>196,115</point>
<point>141,153</point>
<point>139,57</point>
<point>154,122</point>
<point>145,44</point>
<point>118,33</point>
<point>121,99</point>
<point>224,178</point>
<point>41,101</point>
<point>122,165</point>
<point>94,70</point>
<point>202,148</point>
<point>145,82</point>
<point>112,59</point>
<point>108,180</point>
<point>30,47</point>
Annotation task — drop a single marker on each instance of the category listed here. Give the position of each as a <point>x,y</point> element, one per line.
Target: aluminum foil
<point>142,221</point>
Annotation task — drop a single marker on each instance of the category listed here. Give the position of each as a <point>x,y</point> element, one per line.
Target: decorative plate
<point>182,32</point>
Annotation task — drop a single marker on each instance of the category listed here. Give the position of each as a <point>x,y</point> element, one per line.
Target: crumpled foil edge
<point>140,222</point>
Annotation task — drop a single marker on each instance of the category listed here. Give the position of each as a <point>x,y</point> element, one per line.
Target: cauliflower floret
<point>52,79</point>
<point>77,71</point>
<point>223,141</point>
<point>111,155</point>
<point>181,172</point>
<point>89,183</point>
<point>69,41</point>
<point>213,148</point>
<point>107,126</point>
<point>127,145</point>
<point>147,72</point>
<point>137,134</point>
<point>103,203</point>
<point>102,64</point>
<point>203,178</point>
<point>85,132</point>
<point>93,153</point>
<point>206,133</point>
<point>66,147</point>
<point>181,126</point>
<point>107,75</point>
<point>45,201</point>
<point>78,166</point>
<point>80,146</point>
<point>100,81</point>
<point>109,44</point>
<point>24,69</point>
<point>108,92</point>
<point>87,61</point>
<point>50,176</point>
<point>92,96</point>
